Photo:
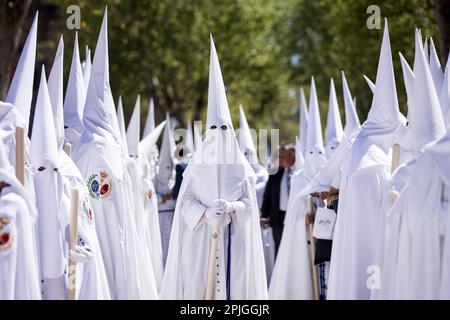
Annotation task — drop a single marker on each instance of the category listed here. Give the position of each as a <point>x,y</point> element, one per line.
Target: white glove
<point>224,205</point>
<point>80,254</point>
<point>214,214</point>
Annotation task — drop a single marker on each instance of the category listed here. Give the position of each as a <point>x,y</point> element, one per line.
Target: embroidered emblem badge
<point>99,185</point>
<point>6,236</point>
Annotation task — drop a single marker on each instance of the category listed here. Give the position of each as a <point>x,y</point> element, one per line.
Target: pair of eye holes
<point>311,152</point>
<point>223,127</point>
<point>43,168</point>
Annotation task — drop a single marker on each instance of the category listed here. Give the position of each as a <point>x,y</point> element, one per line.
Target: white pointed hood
<point>56,91</point>
<point>370,83</point>
<point>20,92</point>
<point>218,111</point>
<point>134,130</point>
<point>435,67</point>
<point>149,142</point>
<point>150,122</point>
<point>99,116</point>
<point>303,122</point>
<point>315,153</point>
<point>334,131</point>
<point>166,164</point>
<point>246,142</point>
<point>44,148</point>
<point>425,47</point>
<point>121,122</point>
<point>427,123</point>
<point>384,116</point>
<point>75,95</point>
<point>314,134</point>
<point>408,79</point>
<point>351,116</point>
<point>87,68</point>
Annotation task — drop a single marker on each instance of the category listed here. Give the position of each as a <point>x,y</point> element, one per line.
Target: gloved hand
<point>80,254</point>
<point>214,214</point>
<point>224,205</point>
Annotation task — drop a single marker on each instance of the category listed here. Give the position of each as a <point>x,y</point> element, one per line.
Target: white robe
<point>91,281</point>
<point>140,214</point>
<point>291,277</point>
<point>19,273</point>
<point>152,221</point>
<point>364,178</point>
<point>186,269</point>
<point>115,225</point>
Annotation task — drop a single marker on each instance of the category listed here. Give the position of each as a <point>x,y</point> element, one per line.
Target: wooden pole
<point>145,193</point>
<point>394,166</point>
<point>68,149</point>
<point>20,154</point>
<point>74,207</point>
<point>212,264</point>
<point>210,285</point>
<point>312,251</point>
<point>395,157</point>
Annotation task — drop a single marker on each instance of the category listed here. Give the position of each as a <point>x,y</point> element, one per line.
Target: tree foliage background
<point>267,50</point>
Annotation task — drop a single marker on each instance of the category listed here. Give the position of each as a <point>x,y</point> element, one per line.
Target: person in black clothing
<point>276,195</point>
<point>184,155</point>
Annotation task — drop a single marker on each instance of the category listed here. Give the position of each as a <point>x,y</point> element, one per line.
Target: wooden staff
<point>210,285</point>
<point>20,154</point>
<point>145,192</point>
<point>68,149</point>
<point>312,250</point>
<point>395,157</point>
<point>74,207</point>
<point>394,166</point>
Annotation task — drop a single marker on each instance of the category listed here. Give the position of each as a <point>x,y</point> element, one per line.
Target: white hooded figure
<point>145,209</point>
<point>248,148</point>
<point>49,187</point>
<point>334,131</point>
<point>19,270</point>
<point>365,175</point>
<point>218,189</point>
<point>16,110</point>
<point>291,278</point>
<point>146,149</point>
<point>100,158</point>
<point>165,179</point>
<point>149,127</point>
<point>412,236</point>
<point>74,100</point>
<point>329,176</point>
<point>91,279</point>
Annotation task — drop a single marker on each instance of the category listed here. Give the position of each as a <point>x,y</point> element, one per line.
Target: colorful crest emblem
<point>99,185</point>
<point>6,235</point>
